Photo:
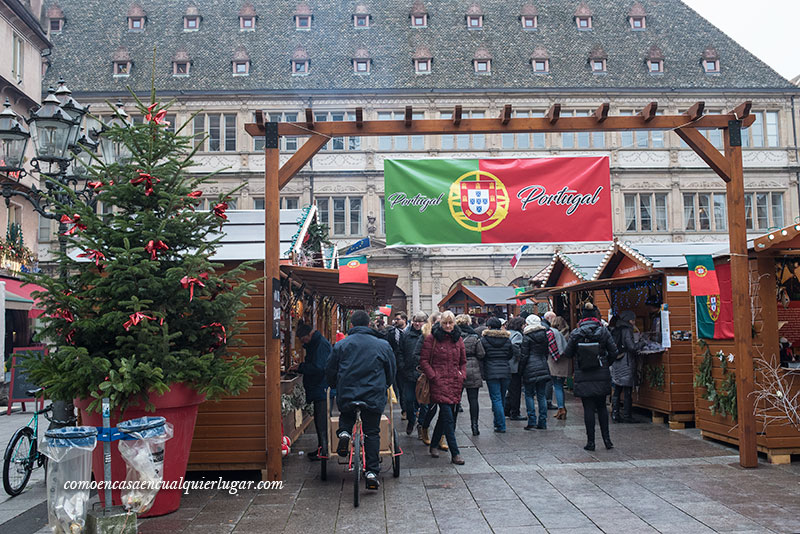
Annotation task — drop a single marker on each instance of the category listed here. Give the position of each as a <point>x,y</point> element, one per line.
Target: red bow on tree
<point>136,318</point>
<point>95,255</point>
<point>147,180</point>
<point>69,337</point>
<point>154,246</point>
<point>95,185</point>
<point>64,314</point>
<point>223,338</point>
<point>219,210</point>
<point>188,283</point>
<point>75,220</point>
<point>158,118</point>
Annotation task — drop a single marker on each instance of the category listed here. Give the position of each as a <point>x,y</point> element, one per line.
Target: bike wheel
<point>18,461</point>
<point>396,456</point>
<point>358,466</point>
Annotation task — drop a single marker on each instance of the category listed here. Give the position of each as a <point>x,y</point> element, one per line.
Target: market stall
<point>774,289</point>
<point>231,434</point>
<point>480,301</point>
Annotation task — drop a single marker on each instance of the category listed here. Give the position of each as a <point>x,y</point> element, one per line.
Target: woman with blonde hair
<point>474,381</point>
<point>443,360</point>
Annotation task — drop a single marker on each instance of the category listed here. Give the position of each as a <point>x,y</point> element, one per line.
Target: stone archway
<point>467,281</point>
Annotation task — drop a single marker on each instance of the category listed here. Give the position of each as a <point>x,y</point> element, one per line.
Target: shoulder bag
<point>423,388</point>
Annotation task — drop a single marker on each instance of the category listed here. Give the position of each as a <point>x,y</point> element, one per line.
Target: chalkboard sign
<point>19,387</point>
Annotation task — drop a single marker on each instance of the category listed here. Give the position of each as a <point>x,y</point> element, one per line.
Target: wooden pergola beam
<point>648,113</point>
<point>707,152</point>
<point>742,111</point>
<point>505,115</point>
<point>601,113</point>
<point>408,115</point>
<point>696,111</point>
<point>551,123</point>
<point>359,117</point>
<point>457,115</point>
<point>300,158</point>
<point>309,119</point>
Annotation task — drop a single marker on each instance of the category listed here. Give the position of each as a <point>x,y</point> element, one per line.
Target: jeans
<point>426,414</point>
<point>548,392</point>
<point>558,388</point>
<point>590,406</point>
<point>627,401</point>
<point>408,399</point>
<point>321,426</point>
<point>497,392</point>
<point>535,391</point>
<point>511,406</point>
<point>446,425</point>
<point>371,424</point>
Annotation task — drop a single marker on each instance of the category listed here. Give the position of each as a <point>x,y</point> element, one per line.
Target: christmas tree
<point>141,305</point>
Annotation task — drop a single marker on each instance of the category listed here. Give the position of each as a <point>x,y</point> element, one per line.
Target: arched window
<point>522,281</point>
<point>467,281</point>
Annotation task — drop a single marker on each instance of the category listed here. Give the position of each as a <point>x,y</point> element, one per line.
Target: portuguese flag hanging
<point>472,201</point>
<point>702,276</point>
<point>353,270</point>
<point>715,312</point>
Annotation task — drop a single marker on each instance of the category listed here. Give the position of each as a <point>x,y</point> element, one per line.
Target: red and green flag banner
<point>353,270</point>
<point>471,201</point>
<point>517,291</point>
<point>702,275</point>
<point>385,310</point>
<point>715,312</point>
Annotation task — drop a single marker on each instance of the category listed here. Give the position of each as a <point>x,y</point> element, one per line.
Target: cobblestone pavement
<point>654,480</point>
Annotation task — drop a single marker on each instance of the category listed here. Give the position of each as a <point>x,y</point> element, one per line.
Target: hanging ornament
<point>95,255</point>
<point>219,210</point>
<point>147,180</point>
<point>154,246</point>
<point>136,318</point>
<point>189,283</point>
<point>158,118</point>
<point>74,220</point>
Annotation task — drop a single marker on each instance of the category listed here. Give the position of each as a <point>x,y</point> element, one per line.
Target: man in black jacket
<point>318,351</point>
<point>407,374</point>
<point>394,335</point>
<point>362,369</point>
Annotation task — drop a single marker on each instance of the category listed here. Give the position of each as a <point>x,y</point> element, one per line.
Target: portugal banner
<point>454,201</point>
<point>715,312</point>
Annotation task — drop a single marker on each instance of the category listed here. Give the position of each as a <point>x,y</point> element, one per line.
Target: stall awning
<point>326,283</point>
<point>18,296</point>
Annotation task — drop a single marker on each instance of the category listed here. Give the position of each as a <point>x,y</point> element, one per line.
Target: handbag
<point>423,388</point>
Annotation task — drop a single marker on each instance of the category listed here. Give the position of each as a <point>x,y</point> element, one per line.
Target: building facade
<point>222,61</point>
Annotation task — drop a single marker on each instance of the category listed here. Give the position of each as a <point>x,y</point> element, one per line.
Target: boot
<point>589,446</point>
<point>564,412</point>
<point>560,413</point>
<point>424,436</point>
<point>615,417</point>
<point>419,432</point>
<point>434,452</point>
<point>457,460</point>
<point>475,430</point>
<point>608,444</point>
<point>443,444</point>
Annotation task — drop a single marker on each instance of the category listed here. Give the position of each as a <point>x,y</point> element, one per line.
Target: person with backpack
<point>538,344</point>
<point>592,348</point>
<point>474,381</point>
<point>623,368</point>
<point>499,352</point>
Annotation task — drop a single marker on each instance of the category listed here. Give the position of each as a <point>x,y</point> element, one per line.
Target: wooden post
<point>272,347</point>
<point>740,276</point>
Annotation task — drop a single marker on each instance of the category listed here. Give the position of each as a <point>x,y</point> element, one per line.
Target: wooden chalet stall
<point>774,288</point>
<point>479,300</point>
<point>232,434</point>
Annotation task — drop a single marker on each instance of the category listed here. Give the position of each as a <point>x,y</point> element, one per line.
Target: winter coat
<point>623,368</point>
<point>563,367</point>
<point>475,354</point>
<point>391,337</point>
<point>408,358</point>
<point>318,351</point>
<point>534,352</point>
<point>361,369</point>
<point>516,340</point>
<point>499,352</point>
<point>443,359</point>
<point>592,382</point>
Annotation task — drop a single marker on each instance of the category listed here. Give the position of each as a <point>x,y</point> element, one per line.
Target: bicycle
<point>22,453</point>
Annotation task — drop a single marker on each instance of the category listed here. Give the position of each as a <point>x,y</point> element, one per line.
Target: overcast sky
<point>767,28</point>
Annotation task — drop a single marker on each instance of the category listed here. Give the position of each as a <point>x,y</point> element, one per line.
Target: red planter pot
<point>179,407</point>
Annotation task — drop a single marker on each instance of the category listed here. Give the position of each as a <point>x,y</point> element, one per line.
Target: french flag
<point>515,260</point>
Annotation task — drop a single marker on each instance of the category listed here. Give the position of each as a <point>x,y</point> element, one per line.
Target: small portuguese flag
<point>517,291</point>
<point>353,270</point>
<point>702,276</point>
<point>715,312</point>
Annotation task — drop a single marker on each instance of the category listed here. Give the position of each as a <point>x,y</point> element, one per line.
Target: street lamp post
<point>65,139</point>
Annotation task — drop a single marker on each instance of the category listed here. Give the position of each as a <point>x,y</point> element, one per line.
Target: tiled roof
<point>474,9</point>
<point>54,12</point>
<point>192,11</point>
<point>121,54</point>
<point>540,53</point>
<point>248,10</point>
<point>637,10</point>
<point>136,11</point>
<point>361,53</point>
<point>361,9</point>
<point>529,10</point>
<point>240,54</point>
<point>98,27</point>
<point>482,53</point>
<point>583,10</point>
<point>418,8</point>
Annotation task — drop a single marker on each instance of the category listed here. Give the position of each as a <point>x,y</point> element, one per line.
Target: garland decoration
<point>654,375</point>
<point>723,400</point>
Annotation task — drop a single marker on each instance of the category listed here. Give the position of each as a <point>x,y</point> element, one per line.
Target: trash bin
<point>70,452</point>
<point>144,460</point>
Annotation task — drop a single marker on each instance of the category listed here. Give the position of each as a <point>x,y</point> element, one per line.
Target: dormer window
<point>180,68</point>
<point>475,22</point>
<point>361,21</point>
<point>419,21</point>
<point>584,23</point>
<point>540,66</point>
<point>598,65</point>
<point>135,24</point>
<point>636,17</point>
<point>56,17</point>
<point>529,23</point>
<point>300,66</point>
<point>483,66</point>
<point>422,66</point>
<point>711,66</point>
<point>637,23</point>
<point>241,68</point>
<point>583,17</point>
<point>56,25</point>
<point>122,68</point>
<point>247,23</point>
<point>191,23</point>
<point>361,66</point>
<point>419,15</point>
<point>303,22</point>
<point>655,66</point>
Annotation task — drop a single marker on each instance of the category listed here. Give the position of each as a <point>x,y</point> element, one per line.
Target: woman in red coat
<point>443,359</point>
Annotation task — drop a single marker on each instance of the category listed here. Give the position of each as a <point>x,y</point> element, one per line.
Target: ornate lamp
<point>75,110</point>
<point>115,151</point>
<point>51,130</point>
<point>13,140</point>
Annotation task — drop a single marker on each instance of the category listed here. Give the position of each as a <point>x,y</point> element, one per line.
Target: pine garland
<point>723,401</point>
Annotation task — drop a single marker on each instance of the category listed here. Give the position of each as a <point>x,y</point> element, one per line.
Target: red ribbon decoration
<point>95,185</point>
<point>219,210</point>
<point>158,118</point>
<point>95,255</point>
<point>223,338</point>
<point>188,283</point>
<point>75,220</point>
<point>136,318</point>
<point>154,246</point>
<point>65,314</point>
<point>147,180</point>
<point>195,194</point>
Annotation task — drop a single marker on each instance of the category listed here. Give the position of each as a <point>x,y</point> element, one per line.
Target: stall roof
<point>18,296</point>
<point>671,255</point>
<point>783,239</point>
<point>243,234</point>
<point>326,283</point>
<point>482,295</point>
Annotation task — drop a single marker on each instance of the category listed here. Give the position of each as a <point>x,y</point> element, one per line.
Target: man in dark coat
<point>593,348</point>
<point>318,351</point>
<point>362,369</point>
<point>407,374</point>
<point>623,369</point>
<point>394,335</point>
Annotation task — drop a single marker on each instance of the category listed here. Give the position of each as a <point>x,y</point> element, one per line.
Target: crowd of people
<point>527,356</point>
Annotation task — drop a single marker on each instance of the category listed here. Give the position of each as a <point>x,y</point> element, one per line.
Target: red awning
<point>16,287</point>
